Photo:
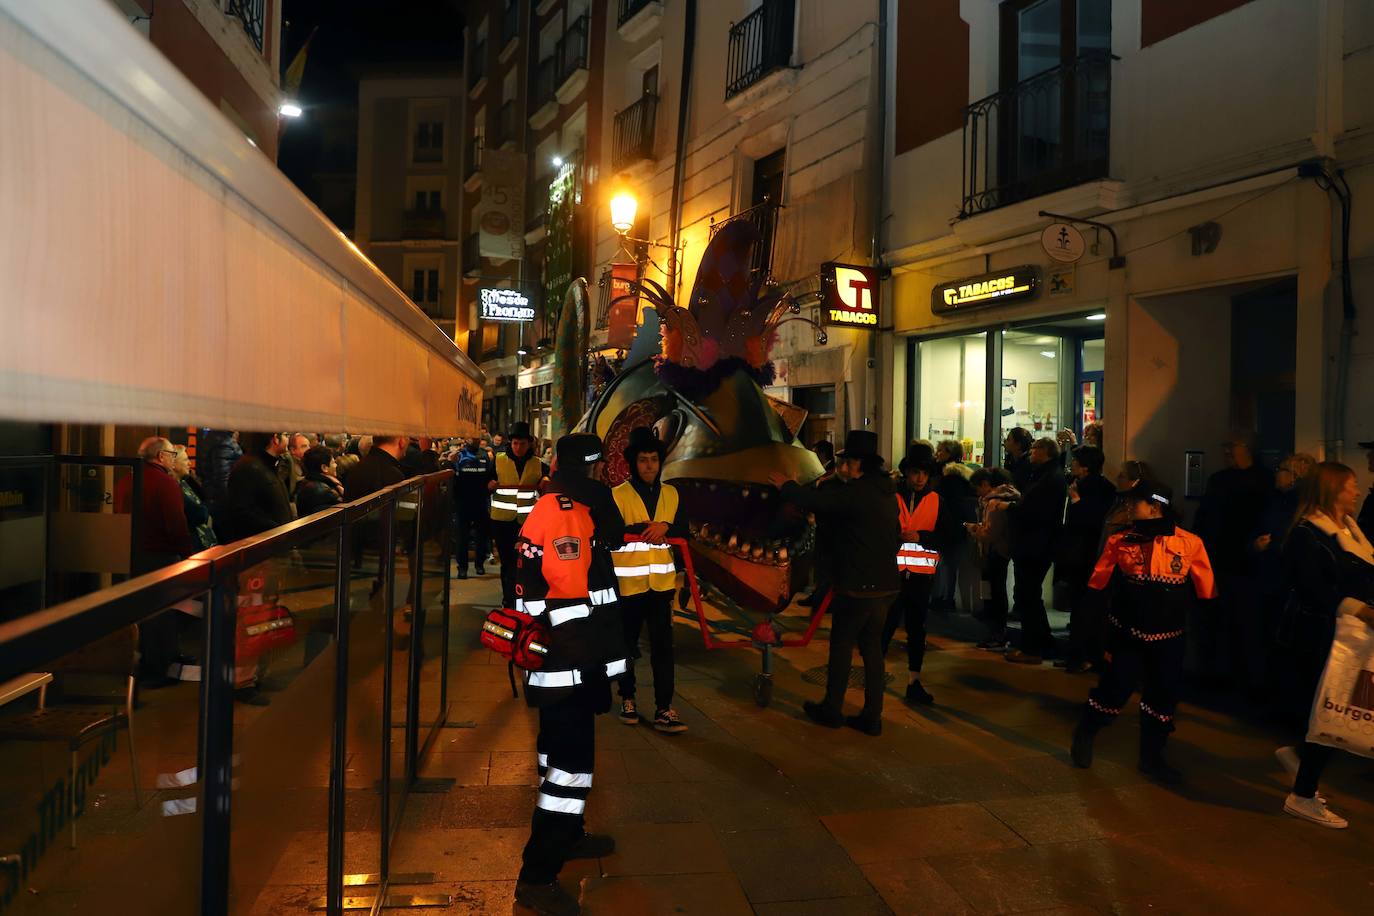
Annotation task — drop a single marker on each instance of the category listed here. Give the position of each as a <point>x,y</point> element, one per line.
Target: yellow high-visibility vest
<point>516,492</point>
<point>642,566</point>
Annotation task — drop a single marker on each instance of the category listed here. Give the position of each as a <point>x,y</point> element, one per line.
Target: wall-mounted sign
<point>988,289</point>
<point>849,295</point>
<point>1061,281</point>
<point>500,212</point>
<point>504,305</point>
<point>1063,242</point>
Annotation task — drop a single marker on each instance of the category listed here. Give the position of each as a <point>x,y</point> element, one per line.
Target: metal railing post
<point>387,561</point>
<point>339,751</point>
<point>217,741</point>
<point>417,622</point>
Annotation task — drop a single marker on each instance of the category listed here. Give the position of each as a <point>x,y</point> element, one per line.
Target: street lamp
<point>290,109</point>
<point>623,209</point>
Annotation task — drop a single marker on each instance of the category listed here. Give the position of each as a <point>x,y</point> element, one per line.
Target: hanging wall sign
<point>504,305</point>
<point>989,289</point>
<point>1063,242</point>
<point>849,295</point>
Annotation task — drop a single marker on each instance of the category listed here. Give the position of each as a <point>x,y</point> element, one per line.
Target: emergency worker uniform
<point>517,489</point>
<point>927,524</point>
<point>646,573</point>
<point>566,579</point>
<point>472,472</point>
<point>1153,572</point>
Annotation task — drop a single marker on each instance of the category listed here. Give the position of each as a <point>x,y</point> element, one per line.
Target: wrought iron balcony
<point>764,218</point>
<point>478,71</point>
<point>252,14</point>
<point>759,44</point>
<point>510,22</point>
<point>572,48</point>
<point>634,133</point>
<point>628,9</point>
<point>545,82</point>
<point>507,129</point>
<point>1046,133</point>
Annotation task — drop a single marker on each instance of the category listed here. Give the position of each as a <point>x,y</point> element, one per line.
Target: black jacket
<point>1083,523</point>
<point>1037,519</point>
<point>954,488</point>
<point>255,499</point>
<point>472,471</point>
<point>376,471</point>
<point>1230,512</point>
<point>860,522</point>
<point>1020,471</point>
<point>314,493</point>
<point>1366,517</point>
<point>1322,575</point>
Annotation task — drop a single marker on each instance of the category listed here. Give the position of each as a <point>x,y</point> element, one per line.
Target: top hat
<point>643,439</point>
<point>519,430</point>
<point>858,444</point>
<point>578,450</point>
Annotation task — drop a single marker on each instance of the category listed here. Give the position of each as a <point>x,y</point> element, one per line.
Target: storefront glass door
<point>952,391</point>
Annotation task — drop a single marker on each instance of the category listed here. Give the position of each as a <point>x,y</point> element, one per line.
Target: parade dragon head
<point>703,396</point>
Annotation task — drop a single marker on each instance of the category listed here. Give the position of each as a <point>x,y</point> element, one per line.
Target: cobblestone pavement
<point>968,807</point>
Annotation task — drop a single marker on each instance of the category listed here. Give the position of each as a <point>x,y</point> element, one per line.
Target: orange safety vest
<point>912,557</point>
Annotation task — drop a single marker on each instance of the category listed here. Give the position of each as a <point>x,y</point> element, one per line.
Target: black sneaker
<point>668,722</point>
<point>592,846</point>
<point>461,574</point>
<point>817,713</point>
<point>480,570</point>
<point>872,727</point>
<point>915,693</point>
<point>629,713</point>
<point>996,643</point>
<point>1082,749</point>
<point>546,899</point>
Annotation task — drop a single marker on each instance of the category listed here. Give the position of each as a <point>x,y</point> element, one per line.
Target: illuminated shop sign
<point>505,305</point>
<point>988,289</point>
<point>849,295</point>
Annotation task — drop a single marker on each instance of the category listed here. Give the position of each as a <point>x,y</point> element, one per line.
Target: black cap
<point>578,450</point>
<point>519,430</point>
<point>643,439</point>
<point>1153,492</point>
<point>858,444</point>
<point>919,459</point>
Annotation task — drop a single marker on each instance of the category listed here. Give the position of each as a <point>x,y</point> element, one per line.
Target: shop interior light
<point>290,109</point>
<point>1100,316</point>
<point>1048,354</point>
<point>522,352</point>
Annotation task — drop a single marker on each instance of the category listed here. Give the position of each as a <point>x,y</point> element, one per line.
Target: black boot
<point>546,899</point>
<point>1152,763</point>
<point>916,694</point>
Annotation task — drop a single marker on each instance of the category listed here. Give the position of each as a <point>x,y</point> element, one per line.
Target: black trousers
<point>1314,758</point>
<point>910,608</point>
<point>471,528</point>
<point>654,609</point>
<point>1028,592</point>
<point>857,622</point>
<point>566,749</point>
<point>504,534</point>
<point>995,612</point>
<point>1157,667</point>
<point>157,636</point>
<point>1086,622</point>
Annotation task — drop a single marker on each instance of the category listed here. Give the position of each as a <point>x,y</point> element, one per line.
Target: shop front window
<point>1031,397</point>
<point>952,392</point>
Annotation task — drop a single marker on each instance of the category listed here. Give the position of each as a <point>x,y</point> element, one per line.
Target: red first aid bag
<point>516,636</point>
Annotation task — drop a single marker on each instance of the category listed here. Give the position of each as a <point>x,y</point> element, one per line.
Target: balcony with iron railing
<point>633,137</point>
<point>764,218</point>
<point>543,86</point>
<point>1046,133</point>
<point>507,128</point>
<point>477,73</point>
<point>760,43</point>
<point>251,14</point>
<point>629,9</point>
<point>572,58</point>
<point>510,22</point>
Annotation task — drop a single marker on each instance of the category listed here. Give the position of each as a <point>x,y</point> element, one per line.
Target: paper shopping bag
<point>1343,708</point>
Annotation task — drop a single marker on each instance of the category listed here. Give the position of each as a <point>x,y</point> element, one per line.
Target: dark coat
<point>861,522</point>
<point>1366,517</point>
<point>376,471</point>
<point>1036,521</point>
<point>1230,511</point>
<point>197,513</point>
<point>472,472</point>
<point>1322,574</point>
<point>316,492</point>
<point>1020,471</point>
<point>1083,523</point>
<point>218,454</point>
<point>956,490</point>
<point>255,500</point>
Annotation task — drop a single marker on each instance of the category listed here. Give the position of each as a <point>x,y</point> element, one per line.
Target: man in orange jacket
<point>1156,571</point>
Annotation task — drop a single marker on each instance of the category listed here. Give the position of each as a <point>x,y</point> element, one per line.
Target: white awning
<point>156,268</point>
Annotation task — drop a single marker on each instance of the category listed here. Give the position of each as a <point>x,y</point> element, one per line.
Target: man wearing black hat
<point>646,575</point>
<point>1366,517</point>
<point>861,517</point>
<point>566,580</point>
<point>513,493</point>
<point>1156,571</point>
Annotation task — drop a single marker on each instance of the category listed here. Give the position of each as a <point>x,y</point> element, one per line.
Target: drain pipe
<point>879,198</point>
<point>689,42</point>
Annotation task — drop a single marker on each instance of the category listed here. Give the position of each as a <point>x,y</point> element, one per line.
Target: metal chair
<point>85,712</point>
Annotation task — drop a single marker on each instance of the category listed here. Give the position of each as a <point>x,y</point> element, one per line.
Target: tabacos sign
<point>504,305</point>
<point>988,289</point>
<point>849,295</point>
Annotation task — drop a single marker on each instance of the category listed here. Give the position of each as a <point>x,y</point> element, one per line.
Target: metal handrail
<point>573,48</point>
<point>759,44</point>
<point>633,136</point>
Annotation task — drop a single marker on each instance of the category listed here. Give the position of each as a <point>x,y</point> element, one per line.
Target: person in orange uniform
<point>928,524</point>
<point>565,577</point>
<point>1155,571</point>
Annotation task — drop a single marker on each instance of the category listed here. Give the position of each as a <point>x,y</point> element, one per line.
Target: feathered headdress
<point>731,321</point>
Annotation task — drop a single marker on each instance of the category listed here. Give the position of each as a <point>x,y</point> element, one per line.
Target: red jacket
<point>162,522</point>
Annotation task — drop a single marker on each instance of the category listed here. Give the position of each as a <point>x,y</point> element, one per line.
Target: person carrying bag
<point>1330,564</point>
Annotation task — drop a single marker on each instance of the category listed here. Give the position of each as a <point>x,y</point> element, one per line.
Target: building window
<point>429,201</point>
<point>952,391</point>
<point>429,141</point>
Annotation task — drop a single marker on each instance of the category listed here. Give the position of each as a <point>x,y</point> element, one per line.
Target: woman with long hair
<point>1330,564</point>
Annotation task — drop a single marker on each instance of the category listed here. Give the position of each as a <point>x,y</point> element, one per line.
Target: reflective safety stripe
<point>561,805</point>
<point>615,667</point>
<point>561,615</point>
<point>912,557</point>
<point>543,760</point>
<point>569,780</point>
<point>637,546</point>
<point>507,491</point>
<point>555,678</point>
<point>600,596</point>
<point>629,572</point>
<point>533,608</point>
<point>510,507</point>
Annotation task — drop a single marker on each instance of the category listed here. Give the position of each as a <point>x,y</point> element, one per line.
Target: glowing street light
<point>623,209</point>
<point>290,109</point>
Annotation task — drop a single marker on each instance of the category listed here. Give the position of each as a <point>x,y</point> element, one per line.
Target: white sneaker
<point>1312,809</point>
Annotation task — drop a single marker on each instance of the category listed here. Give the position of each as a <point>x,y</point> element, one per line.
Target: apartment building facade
<point>1132,212</point>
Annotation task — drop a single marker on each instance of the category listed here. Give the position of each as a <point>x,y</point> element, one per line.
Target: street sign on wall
<point>849,295</point>
<point>501,211</point>
<point>504,305</point>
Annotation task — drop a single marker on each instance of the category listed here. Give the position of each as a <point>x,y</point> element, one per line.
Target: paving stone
<point>914,833</point>
<point>801,863</point>
<point>912,886</point>
<point>871,905</point>
<point>464,768</point>
<point>768,803</point>
<point>514,768</point>
<point>492,806</point>
<point>665,849</point>
<point>664,803</point>
<point>687,895</point>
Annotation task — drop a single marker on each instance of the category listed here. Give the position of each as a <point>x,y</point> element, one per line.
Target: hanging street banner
<point>501,211</point>
<point>623,316</point>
